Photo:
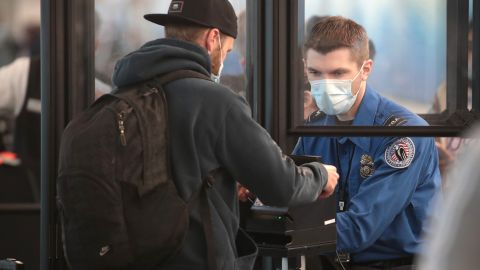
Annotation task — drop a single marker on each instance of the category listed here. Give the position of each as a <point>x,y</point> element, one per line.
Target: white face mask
<point>216,78</point>
<point>334,97</point>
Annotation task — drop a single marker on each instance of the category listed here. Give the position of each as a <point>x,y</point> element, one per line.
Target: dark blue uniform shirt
<point>387,183</point>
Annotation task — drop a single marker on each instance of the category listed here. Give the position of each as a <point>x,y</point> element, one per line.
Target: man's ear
<point>211,39</point>
<point>367,68</point>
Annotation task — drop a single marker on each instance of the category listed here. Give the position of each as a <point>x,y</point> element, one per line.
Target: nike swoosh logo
<point>104,250</point>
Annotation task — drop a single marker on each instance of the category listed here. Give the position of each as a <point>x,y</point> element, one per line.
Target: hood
<point>160,57</point>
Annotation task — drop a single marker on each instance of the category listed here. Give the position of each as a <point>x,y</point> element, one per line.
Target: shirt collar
<point>365,116</point>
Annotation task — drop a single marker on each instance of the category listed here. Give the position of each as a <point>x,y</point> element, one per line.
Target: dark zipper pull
<point>121,128</point>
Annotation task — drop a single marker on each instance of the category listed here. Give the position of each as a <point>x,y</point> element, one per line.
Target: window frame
<point>67,87</point>
<point>453,122</point>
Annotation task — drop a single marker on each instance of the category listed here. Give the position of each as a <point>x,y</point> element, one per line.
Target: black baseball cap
<point>210,13</point>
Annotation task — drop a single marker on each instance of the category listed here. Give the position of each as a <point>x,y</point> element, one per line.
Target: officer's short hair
<point>186,32</point>
<point>311,23</point>
<point>335,32</point>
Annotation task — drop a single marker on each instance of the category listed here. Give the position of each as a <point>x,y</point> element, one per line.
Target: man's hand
<point>331,183</point>
<point>309,105</point>
<point>243,193</point>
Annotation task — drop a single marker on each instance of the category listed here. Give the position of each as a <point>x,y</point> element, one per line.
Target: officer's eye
<point>314,72</point>
<point>338,74</point>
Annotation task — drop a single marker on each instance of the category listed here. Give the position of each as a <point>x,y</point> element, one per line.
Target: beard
<point>215,59</point>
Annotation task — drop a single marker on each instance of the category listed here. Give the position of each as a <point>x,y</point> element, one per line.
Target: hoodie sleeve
<point>252,157</point>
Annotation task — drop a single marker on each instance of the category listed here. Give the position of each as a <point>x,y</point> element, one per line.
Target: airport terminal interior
<point>421,103</point>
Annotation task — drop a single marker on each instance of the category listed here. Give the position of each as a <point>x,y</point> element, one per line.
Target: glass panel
<point>125,30</point>
<point>407,46</point>
<point>450,148</point>
<point>234,72</point>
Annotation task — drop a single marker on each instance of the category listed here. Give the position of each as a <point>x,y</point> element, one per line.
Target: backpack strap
<point>152,170</point>
<point>202,196</point>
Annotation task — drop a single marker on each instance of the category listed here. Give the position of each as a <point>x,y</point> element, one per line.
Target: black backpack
<point>118,204</point>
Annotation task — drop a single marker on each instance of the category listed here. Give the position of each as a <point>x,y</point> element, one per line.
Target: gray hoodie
<point>211,127</point>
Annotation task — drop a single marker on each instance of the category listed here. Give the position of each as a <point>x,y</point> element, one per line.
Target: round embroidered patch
<point>400,154</point>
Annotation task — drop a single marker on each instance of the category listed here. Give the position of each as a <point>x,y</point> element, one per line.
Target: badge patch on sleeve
<point>400,154</point>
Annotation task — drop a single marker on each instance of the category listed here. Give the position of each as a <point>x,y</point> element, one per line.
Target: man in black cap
<point>212,127</point>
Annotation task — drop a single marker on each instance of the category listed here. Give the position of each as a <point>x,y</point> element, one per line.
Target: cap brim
<point>166,19</point>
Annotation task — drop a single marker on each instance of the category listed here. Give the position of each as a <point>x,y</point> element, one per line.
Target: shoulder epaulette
<point>394,121</point>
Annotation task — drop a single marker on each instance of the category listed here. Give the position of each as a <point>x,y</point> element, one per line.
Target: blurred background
<point>19,28</point>
<point>122,29</point>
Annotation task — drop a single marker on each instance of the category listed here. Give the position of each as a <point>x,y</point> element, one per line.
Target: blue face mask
<point>216,78</point>
<point>334,97</point>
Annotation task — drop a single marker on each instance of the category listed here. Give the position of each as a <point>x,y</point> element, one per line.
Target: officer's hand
<point>332,182</point>
<point>309,105</point>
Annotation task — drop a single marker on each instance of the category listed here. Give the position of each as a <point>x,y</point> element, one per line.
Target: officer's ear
<point>367,68</point>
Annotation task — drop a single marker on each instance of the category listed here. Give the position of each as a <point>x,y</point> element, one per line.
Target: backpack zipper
<point>122,116</point>
<point>121,127</point>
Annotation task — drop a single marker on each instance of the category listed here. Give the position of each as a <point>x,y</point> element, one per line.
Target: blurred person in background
<point>8,46</point>
<point>20,104</point>
<point>20,108</point>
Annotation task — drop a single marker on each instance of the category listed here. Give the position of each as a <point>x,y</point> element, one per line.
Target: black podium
<point>295,232</point>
